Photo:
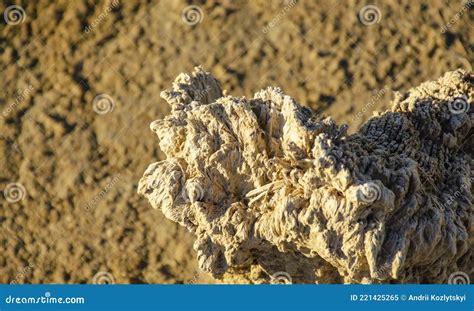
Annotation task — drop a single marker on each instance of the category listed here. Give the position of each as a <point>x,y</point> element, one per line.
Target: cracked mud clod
<point>267,185</point>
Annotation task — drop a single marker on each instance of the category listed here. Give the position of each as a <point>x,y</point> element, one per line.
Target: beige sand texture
<point>82,82</point>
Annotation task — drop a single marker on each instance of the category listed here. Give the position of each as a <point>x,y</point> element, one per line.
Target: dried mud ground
<point>80,214</point>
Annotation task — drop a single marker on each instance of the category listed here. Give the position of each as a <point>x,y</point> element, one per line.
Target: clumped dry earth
<point>80,215</point>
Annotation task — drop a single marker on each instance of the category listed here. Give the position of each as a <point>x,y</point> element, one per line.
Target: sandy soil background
<point>78,218</point>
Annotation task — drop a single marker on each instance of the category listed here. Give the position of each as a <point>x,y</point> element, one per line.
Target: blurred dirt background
<point>79,215</point>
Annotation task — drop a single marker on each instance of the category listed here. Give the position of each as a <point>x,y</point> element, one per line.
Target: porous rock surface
<point>268,187</point>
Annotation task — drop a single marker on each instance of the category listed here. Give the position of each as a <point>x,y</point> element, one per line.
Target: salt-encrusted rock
<point>269,187</point>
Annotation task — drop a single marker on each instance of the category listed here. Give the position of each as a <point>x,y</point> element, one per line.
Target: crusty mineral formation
<point>270,188</point>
